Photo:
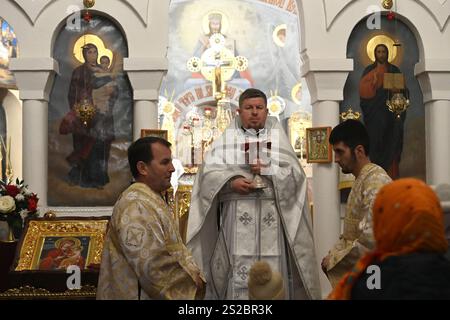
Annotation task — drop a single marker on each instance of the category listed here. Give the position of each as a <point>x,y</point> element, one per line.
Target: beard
<point>348,168</point>
<point>382,61</point>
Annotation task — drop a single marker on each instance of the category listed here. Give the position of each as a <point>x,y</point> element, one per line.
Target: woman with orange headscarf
<point>410,247</point>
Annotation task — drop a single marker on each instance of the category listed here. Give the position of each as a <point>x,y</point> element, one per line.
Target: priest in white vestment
<point>232,223</point>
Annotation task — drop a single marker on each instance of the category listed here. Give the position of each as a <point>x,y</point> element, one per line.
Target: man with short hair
<point>143,255</point>
<point>233,223</point>
<point>351,149</point>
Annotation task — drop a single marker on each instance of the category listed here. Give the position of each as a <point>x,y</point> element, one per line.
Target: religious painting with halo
<point>318,149</point>
<point>393,113</point>
<point>90,116</point>
<point>57,243</point>
<point>8,50</point>
<point>217,49</point>
<point>58,253</point>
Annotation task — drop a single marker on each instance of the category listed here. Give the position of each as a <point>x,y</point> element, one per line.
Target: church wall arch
<point>12,13</point>
<point>138,21</point>
<point>78,15</point>
<point>326,26</point>
<point>402,19</point>
<point>87,162</point>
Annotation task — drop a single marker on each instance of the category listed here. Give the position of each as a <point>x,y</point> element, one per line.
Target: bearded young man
<point>351,146</point>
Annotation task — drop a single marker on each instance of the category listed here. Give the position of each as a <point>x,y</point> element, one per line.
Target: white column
<point>326,79</point>
<point>145,75</point>
<point>34,78</point>
<point>145,116</point>
<point>437,117</point>
<point>434,77</point>
<point>325,192</point>
<point>35,147</point>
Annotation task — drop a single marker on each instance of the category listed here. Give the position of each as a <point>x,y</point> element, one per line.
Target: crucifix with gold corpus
<point>217,64</point>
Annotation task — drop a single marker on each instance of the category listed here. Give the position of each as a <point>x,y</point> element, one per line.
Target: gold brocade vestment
<point>143,247</point>
<point>357,238</point>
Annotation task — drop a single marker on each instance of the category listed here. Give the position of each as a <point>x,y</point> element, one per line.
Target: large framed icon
<point>56,243</point>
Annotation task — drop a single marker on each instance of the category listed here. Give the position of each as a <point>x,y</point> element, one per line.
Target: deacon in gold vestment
<point>351,146</point>
<point>144,256</point>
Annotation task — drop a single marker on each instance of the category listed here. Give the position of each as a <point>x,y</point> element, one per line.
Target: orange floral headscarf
<point>407,217</point>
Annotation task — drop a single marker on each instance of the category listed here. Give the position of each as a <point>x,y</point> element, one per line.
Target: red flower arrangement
<point>17,204</point>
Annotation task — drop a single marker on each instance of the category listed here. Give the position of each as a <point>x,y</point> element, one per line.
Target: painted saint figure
<point>67,252</point>
<point>385,130</point>
<point>93,84</point>
<point>215,37</point>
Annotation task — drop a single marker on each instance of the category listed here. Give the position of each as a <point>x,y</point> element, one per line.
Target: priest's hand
<point>242,185</point>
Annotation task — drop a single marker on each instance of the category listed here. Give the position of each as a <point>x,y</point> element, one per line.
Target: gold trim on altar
<point>29,292</point>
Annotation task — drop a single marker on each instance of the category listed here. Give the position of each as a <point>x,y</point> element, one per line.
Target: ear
<point>142,168</point>
<point>360,151</point>
<point>239,110</point>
